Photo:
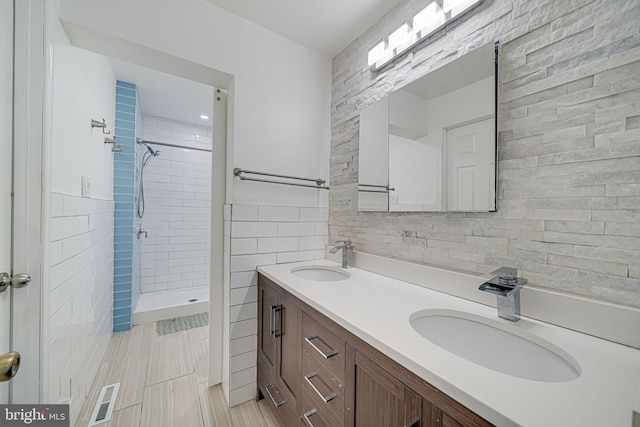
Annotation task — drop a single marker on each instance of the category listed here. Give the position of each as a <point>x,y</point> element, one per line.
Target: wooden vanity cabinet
<point>279,351</point>
<point>382,400</point>
<point>330,377</point>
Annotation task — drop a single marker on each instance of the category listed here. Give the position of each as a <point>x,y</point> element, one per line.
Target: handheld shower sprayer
<point>146,157</point>
<point>154,153</point>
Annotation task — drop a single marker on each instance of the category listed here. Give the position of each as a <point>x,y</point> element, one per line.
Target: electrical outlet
<point>86,187</point>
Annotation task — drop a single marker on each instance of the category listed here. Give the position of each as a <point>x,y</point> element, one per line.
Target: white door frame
<point>222,152</point>
<point>28,330</point>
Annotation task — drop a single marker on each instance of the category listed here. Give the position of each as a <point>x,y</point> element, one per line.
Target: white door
<point>6,136</point>
<point>10,283</point>
<point>470,171</point>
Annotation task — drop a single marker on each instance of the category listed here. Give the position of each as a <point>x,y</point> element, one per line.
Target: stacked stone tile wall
<point>569,147</point>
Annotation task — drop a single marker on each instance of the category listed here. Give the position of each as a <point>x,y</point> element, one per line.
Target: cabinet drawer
<point>284,408</point>
<point>326,382</point>
<point>323,390</point>
<point>324,347</point>
<point>311,415</point>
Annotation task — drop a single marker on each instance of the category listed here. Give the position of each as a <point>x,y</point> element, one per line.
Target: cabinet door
<point>380,399</point>
<point>447,421</point>
<point>431,415</point>
<point>289,328</point>
<point>267,340</point>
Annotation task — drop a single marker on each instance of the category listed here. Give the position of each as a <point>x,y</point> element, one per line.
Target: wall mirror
<point>431,145</point>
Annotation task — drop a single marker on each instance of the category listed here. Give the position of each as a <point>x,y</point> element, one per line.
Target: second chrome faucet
<point>345,246</point>
<point>506,285</point>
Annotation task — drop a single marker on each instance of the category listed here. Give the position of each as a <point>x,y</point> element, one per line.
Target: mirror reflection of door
<point>470,166</point>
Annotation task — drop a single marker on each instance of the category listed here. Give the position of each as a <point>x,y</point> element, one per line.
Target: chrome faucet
<point>345,246</point>
<point>506,285</point>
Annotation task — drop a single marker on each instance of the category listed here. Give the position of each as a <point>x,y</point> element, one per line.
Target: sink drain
<point>193,300</point>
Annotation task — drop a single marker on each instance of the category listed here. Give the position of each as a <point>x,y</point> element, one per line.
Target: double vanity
<point>356,348</point>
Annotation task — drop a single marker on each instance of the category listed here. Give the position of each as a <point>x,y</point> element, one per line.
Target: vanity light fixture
<point>428,19</point>
<point>425,23</point>
<point>378,52</point>
<point>400,37</point>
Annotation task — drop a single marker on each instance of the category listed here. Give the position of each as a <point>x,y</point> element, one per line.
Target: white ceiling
<point>168,96</point>
<point>326,26</point>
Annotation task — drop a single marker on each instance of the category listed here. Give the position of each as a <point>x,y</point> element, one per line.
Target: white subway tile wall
<point>177,218</point>
<point>259,235</point>
<point>136,262</point>
<point>81,295</point>
<point>569,156</point>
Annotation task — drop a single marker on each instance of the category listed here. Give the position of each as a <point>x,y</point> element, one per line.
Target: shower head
<point>154,153</point>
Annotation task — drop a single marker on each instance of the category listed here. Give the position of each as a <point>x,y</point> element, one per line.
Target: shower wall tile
<point>80,296</point>
<point>124,182</point>
<point>177,189</point>
<point>259,235</point>
<point>137,243</point>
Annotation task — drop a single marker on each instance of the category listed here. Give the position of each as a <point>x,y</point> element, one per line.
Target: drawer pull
<point>326,355</point>
<point>277,404</point>
<point>307,415</point>
<point>271,320</point>
<point>328,398</point>
<point>277,322</point>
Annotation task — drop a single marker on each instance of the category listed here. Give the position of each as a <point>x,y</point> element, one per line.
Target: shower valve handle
<point>141,231</point>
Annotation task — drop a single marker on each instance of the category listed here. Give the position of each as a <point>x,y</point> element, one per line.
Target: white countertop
<point>377,309</point>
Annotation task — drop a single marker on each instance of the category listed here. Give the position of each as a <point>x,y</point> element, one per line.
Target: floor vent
<point>105,404</point>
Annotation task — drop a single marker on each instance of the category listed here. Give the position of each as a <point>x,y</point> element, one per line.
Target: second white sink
<point>495,345</point>
<point>320,273</point>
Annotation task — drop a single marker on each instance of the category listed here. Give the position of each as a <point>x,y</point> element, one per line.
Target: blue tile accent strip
<point>123,296</point>
<point>120,312</point>
<point>122,279</point>
<point>122,327</point>
<point>122,319</point>
<point>120,288</point>
<point>125,116</point>
<point>122,303</point>
<point>122,270</point>
<point>124,196</point>
<point>126,132</point>
<point>120,99</point>
<point>127,92</point>
<point>122,124</point>
<point>125,84</point>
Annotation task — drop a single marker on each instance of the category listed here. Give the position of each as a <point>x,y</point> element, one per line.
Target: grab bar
<point>319,182</point>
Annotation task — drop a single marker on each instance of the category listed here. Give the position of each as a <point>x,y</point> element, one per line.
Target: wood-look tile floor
<point>163,383</point>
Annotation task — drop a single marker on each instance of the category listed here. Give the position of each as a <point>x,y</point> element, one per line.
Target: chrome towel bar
<point>383,188</point>
<point>319,182</point>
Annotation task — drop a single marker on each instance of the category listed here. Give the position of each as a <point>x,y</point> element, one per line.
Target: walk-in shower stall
<point>163,238</point>
<point>174,200</point>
